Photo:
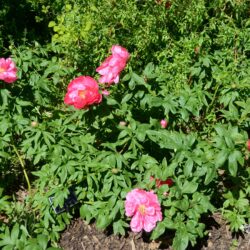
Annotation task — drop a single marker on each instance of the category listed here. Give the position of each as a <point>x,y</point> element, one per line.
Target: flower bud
<point>164,123</point>
<point>248,144</point>
<point>197,50</point>
<point>34,124</point>
<point>168,5</point>
<point>122,123</point>
<point>105,92</point>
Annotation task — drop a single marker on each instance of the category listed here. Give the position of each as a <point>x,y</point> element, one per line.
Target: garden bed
<point>132,115</point>
<point>82,236</point>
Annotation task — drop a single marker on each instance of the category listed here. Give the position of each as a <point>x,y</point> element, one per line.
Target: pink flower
<point>111,68</point>
<point>145,209</point>
<point>8,70</point>
<point>120,51</point>
<point>105,92</point>
<point>82,92</point>
<point>248,144</point>
<point>159,182</point>
<point>164,123</point>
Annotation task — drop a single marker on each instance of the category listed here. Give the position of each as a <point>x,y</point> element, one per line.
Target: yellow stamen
<point>142,209</point>
<point>2,70</point>
<point>81,93</point>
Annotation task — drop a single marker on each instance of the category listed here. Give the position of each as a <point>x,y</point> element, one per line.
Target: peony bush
<point>153,138</point>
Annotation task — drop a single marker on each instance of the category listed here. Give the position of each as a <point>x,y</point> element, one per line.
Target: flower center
<point>81,93</point>
<point>1,70</point>
<point>142,209</point>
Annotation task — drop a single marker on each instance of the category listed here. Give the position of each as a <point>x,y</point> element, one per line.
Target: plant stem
<point>23,167</point>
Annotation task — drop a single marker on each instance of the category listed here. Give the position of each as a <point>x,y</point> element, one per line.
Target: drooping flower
<point>159,182</point>
<point>144,208</point>
<point>8,70</point>
<point>164,123</point>
<point>82,92</point>
<point>111,68</point>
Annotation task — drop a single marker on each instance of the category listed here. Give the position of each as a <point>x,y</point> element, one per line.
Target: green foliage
<point>192,70</point>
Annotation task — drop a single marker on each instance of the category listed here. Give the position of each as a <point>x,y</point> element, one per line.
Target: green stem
<point>213,100</point>
<point>23,167</point>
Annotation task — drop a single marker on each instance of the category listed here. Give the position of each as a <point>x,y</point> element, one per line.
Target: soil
<point>81,236</point>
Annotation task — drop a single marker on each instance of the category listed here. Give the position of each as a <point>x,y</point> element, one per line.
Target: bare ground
<point>81,236</point>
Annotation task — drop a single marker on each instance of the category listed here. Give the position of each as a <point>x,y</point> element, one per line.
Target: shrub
<point>192,72</point>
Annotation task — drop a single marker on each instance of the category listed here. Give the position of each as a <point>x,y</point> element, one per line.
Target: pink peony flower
<point>145,209</point>
<point>159,182</point>
<point>120,51</point>
<point>164,123</point>
<point>82,92</point>
<point>111,68</point>
<point>8,70</point>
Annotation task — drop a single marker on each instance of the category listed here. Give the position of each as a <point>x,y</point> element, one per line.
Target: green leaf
<point>4,154</point>
<point>211,173</point>
<point>149,70</point>
<point>189,187</point>
<point>232,163</point>
<point>15,233</point>
<point>221,158</point>
<point>188,167</point>
<point>180,241</point>
<point>51,24</point>
<point>206,62</point>
<point>131,84</point>
<point>23,103</point>
<point>138,79</point>
<point>169,223</point>
<point>158,231</point>
<point>85,212</point>
<point>126,98</point>
<point>103,220</point>
<point>42,241</point>
<point>33,246</point>
<point>118,227</point>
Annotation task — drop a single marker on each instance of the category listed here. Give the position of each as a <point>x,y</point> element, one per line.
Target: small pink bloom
<point>82,92</point>
<point>164,123</point>
<point>111,68</point>
<point>122,123</point>
<point>248,144</point>
<point>145,209</point>
<point>105,92</point>
<point>8,70</point>
<point>159,182</point>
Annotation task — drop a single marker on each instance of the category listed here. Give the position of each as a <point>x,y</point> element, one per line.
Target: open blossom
<point>159,182</point>
<point>8,70</point>
<point>164,123</point>
<point>111,68</point>
<point>82,92</point>
<point>144,208</point>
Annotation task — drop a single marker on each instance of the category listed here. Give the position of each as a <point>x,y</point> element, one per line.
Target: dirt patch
<point>81,236</point>
<point>220,237</point>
